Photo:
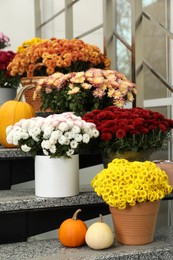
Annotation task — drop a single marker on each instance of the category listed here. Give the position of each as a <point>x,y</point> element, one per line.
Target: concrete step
<point>161,248</point>
<point>22,214</point>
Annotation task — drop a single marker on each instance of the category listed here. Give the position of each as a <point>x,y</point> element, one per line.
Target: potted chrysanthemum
<point>130,132</point>
<point>8,83</point>
<point>55,142</point>
<point>84,91</point>
<point>133,191</point>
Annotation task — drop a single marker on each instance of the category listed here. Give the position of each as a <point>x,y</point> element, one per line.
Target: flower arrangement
<point>48,56</point>
<point>84,91</point>
<point>4,41</point>
<point>130,129</point>
<point>6,80</point>
<point>126,183</point>
<point>58,135</point>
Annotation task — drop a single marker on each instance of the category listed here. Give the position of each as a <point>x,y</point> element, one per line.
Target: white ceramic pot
<point>56,177</point>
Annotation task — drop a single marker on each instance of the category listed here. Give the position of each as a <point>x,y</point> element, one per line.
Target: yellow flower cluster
<point>127,183</point>
<point>28,43</point>
<point>44,57</point>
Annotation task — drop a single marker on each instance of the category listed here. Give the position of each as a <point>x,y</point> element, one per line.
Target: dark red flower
<point>106,136</point>
<point>105,115</point>
<point>138,121</point>
<point>144,130</point>
<point>138,127</point>
<point>162,127</point>
<point>7,80</point>
<point>120,133</point>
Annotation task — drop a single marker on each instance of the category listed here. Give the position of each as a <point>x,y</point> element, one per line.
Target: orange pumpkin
<point>11,112</point>
<point>72,231</point>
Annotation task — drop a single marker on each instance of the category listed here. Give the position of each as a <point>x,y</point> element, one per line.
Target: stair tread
<point>12,153</point>
<point>51,249</point>
<point>12,200</point>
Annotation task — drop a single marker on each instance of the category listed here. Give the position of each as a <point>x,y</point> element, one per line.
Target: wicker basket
<point>36,104</point>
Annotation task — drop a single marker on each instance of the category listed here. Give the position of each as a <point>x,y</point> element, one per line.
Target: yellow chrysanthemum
<point>127,183</point>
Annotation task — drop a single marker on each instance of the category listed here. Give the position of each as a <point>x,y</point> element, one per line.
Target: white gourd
<point>99,235</point>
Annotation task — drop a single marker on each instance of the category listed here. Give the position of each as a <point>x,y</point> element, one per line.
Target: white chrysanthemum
<point>17,128</point>
<point>93,133</point>
<point>56,134</point>
<point>24,135</point>
<point>45,152</point>
<point>31,123</point>
<point>16,137</point>
<point>63,126</point>
<point>87,126</point>
<point>25,124</point>
<point>56,129</point>
<point>67,142</point>
<point>63,140</point>
<point>74,144</point>
<point>25,148</point>
<point>53,140</point>
<point>35,138</point>
<point>47,132</point>
<point>76,129</point>
<point>86,138</point>
<point>70,123</point>
<point>69,135</point>
<point>79,123</point>
<point>15,141</point>
<point>70,152</point>
<point>45,144</point>
<point>36,130</point>
<point>78,138</point>
<point>9,138</point>
<point>39,122</point>
<point>53,149</point>
<point>9,129</point>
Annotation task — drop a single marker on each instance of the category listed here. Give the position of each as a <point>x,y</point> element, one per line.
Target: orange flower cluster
<point>63,55</point>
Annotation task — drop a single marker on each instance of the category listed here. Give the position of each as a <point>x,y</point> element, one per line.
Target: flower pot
<point>56,177</point>
<point>167,166</point>
<point>135,225</point>
<point>6,94</point>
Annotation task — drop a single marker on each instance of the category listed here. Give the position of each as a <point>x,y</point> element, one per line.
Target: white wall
<point>17,21</point>
<point>86,15</point>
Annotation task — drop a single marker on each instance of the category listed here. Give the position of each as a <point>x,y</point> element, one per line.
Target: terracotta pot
<point>135,225</point>
<point>167,166</point>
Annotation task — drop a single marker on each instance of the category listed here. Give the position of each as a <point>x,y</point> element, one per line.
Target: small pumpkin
<point>99,235</point>
<point>71,232</point>
<point>11,112</point>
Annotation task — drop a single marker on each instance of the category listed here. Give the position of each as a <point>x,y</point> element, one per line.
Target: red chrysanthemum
<point>106,136</point>
<point>140,129</point>
<point>120,133</point>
